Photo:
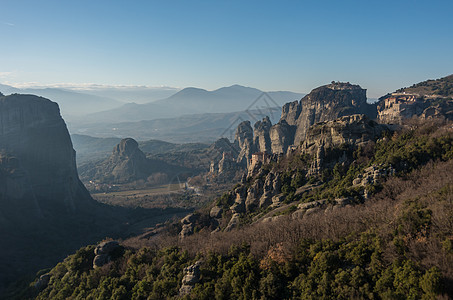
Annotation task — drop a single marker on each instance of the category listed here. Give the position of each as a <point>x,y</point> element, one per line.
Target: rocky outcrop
<point>281,136</point>
<point>352,130</point>
<point>188,224</point>
<point>326,103</point>
<point>440,110</point>
<point>226,168</point>
<point>291,112</point>
<point>103,253</point>
<point>262,140</point>
<point>191,277</point>
<point>128,162</point>
<point>397,107</point>
<point>37,161</point>
<point>42,282</point>
<point>244,140</point>
<point>216,212</point>
<point>373,175</point>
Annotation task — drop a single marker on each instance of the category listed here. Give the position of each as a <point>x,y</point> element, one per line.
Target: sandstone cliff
<point>262,140</point>
<point>352,130</point>
<point>244,141</point>
<point>322,104</point>
<point>326,103</point>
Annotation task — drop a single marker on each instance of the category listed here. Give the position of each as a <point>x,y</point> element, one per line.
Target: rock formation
<point>323,104</point>
<point>37,161</point>
<point>126,164</point>
<point>103,253</point>
<point>191,277</point>
<point>244,140</point>
<point>326,103</point>
<point>188,224</point>
<point>397,107</point>
<point>352,130</point>
<point>282,136</point>
<point>42,201</point>
<point>261,138</point>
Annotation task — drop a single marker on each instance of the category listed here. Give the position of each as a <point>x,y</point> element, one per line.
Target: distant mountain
<point>6,89</point>
<point>194,101</point>
<point>196,128</point>
<point>71,103</point>
<point>137,94</point>
<point>75,103</point>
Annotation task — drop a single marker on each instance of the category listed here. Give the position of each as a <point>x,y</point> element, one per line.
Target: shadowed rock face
<point>128,161</point>
<point>45,211</point>
<point>37,161</point>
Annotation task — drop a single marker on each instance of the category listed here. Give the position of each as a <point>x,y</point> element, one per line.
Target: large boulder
<point>103,253</point>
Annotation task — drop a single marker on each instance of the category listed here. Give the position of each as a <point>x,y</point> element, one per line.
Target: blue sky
<point>270,45</point>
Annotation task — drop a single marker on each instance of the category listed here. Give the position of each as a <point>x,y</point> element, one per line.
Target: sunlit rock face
<point>326,103</point>
<point>37,161</point>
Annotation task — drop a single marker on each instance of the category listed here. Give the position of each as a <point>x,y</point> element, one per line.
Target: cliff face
<point>322,104</point>
<point>262,140</point>
<point>37,160</point>
<point>244,141</point>
<point>281,136</point>
<point>326,103</point>
<point>351,130</point>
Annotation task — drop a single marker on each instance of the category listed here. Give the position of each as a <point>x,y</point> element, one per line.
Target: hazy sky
<point>270,45</point>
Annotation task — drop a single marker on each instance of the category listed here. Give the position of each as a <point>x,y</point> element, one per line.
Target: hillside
<point>396,244</point>
<point>441,87</point>
<point>330,204</point>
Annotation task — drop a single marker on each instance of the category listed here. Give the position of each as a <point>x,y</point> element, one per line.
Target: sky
<point>270,45</point>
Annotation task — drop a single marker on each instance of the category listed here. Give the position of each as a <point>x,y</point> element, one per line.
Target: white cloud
<point>6,74</point>
<point>82,86</point>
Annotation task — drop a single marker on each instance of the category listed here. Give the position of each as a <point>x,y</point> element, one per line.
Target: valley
<point>320,179</point>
